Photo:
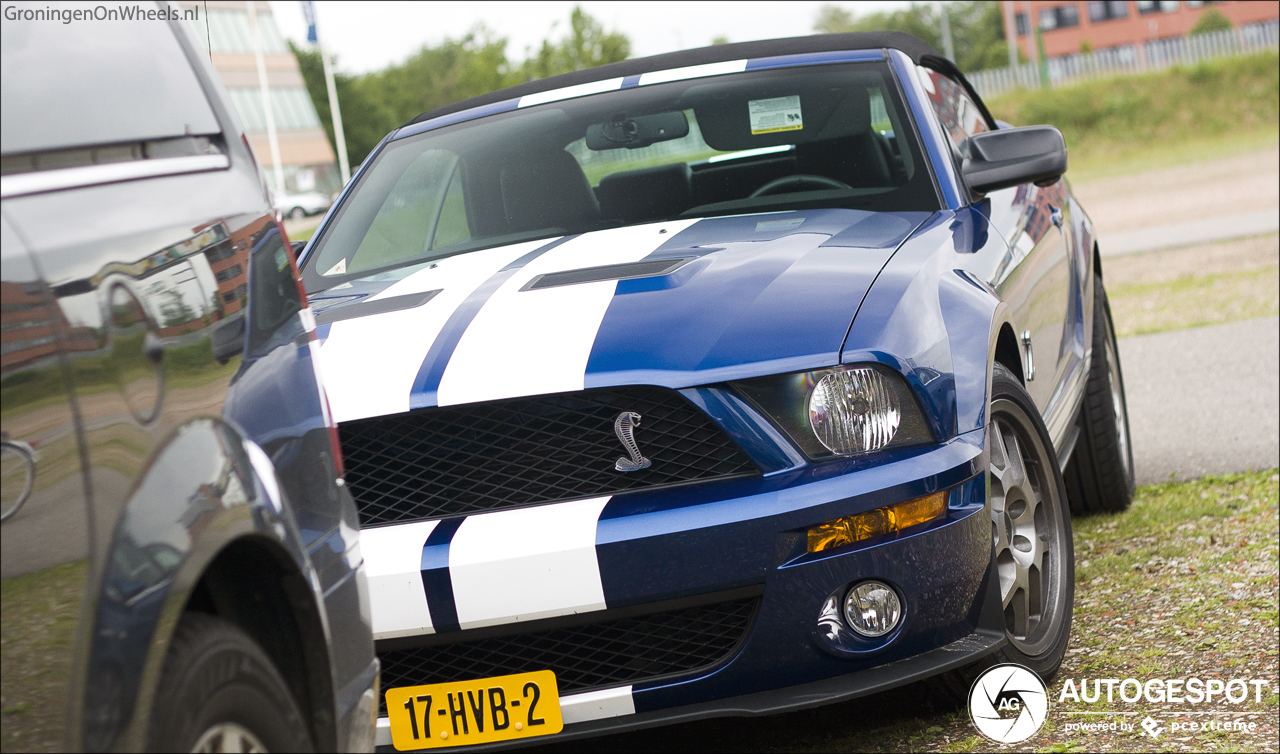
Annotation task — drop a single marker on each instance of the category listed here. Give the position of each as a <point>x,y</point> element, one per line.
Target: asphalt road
<point>1204,400</point>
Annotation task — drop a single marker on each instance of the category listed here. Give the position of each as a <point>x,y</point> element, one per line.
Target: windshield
<point>762,141</point>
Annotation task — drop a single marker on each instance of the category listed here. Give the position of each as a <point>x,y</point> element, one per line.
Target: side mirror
<point>228,338</point>
<point>1012,156</point>
<point>297,247</point>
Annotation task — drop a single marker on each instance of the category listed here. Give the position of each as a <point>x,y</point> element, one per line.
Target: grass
<point>1182,114</point>
<point>1195,300</point>
<point>1194,286</point>
<point>38,613</point>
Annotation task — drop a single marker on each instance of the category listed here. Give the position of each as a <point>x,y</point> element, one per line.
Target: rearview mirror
<point>631,133</point>
<point>1012,156</point>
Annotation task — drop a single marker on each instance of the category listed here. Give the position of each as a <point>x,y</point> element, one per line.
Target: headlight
<point>854,411</point>
<point>841,411</point>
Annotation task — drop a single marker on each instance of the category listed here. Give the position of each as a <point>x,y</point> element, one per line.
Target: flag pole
<point>272,140</point>
<point>339,139</point>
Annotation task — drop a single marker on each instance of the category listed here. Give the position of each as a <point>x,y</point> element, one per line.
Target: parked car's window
<point>710,146</point>
<point>959,115</point>
<point>90,83</point>
<point>275,290</point>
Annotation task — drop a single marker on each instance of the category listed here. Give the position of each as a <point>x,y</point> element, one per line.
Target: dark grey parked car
<point>181,568</point>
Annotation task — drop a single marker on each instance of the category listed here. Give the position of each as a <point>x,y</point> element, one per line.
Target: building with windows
<point>1071,28</point>
<point>306,157</point>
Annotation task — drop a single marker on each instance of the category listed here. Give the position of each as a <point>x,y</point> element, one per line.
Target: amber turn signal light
<point>886,520</point>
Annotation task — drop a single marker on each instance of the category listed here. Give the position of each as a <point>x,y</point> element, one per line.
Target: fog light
<point>887,520</point>
<point>872,608</point>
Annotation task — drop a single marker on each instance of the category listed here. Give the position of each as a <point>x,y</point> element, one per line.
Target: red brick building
<point>1070,28</point>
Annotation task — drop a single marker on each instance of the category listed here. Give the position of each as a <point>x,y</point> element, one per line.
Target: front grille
<point>441,462</point>
<point>609,653</point>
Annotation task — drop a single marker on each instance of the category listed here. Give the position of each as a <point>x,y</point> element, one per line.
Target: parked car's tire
<point>297,213</point>
<point>1031,535</point>
<point>220,691</point>
<point>1099,475</point>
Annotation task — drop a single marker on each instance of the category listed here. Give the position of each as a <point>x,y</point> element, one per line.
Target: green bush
<point>1209,99</point>
<point>1210,21</point>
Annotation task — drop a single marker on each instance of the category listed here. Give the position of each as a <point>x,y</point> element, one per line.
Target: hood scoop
<point>380,306</point>
<point>645,268</point>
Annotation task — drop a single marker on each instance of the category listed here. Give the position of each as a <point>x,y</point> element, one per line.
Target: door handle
<point>1031,355</point>
<point>1055,215</point>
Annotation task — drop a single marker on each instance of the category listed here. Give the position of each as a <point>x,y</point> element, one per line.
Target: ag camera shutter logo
<point>1008,704</point>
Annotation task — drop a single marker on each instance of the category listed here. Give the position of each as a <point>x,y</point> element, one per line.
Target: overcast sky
<point>367,36</point>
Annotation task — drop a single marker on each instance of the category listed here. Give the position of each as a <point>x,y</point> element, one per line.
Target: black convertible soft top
<point>858,40</point>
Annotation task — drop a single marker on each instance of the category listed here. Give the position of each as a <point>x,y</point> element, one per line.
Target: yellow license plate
<point>523,705</point>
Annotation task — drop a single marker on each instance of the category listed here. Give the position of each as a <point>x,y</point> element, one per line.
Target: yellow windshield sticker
<point>773,115</point>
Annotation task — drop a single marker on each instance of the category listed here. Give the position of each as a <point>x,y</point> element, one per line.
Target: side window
<point>959,115</point>
<point>424,211</point>
<point>69,85</point>
<point>452,227</point>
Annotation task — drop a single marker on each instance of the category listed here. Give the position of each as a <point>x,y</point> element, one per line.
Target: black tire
<point>1038,644</point>
<point>217,681</point>
<point>1099,475</point>
<point>297,213</point>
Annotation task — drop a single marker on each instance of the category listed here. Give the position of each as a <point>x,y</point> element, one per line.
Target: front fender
<point>205,488</point>
<point>939,321</point>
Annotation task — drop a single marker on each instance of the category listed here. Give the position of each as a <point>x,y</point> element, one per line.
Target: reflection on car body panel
<point>158,352</point>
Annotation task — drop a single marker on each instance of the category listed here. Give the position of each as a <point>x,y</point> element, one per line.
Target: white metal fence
<point>1150,56</point>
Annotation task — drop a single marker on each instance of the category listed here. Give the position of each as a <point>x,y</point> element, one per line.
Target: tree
<point>586,46</point>
<point>375,103</point>
<point>977,29</point>
<point>1210,21</point>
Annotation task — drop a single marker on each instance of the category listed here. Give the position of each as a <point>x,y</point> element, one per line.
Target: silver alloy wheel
<point>228,737</point>
<point>1026,529</point>
<point>1118,405</point>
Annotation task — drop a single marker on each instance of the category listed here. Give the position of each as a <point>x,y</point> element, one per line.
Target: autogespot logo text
<point>1008,704</point>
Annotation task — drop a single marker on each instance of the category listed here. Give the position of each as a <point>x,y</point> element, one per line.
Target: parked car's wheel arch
<point>255,583</point>
<point>245,559</point>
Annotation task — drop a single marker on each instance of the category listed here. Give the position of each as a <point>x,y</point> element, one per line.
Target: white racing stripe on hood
<point>537,342</point>
<point>370,362</point>
<point>393,569</point>
<point>527,564</point>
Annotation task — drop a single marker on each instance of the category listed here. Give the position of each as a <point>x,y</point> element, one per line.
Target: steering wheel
<point>798,182</point>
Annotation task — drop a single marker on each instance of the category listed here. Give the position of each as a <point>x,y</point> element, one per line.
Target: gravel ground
<point>1194,191</point>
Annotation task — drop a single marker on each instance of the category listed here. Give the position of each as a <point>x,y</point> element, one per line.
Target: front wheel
<point>220,692</point>
<point>1030,541</point>
<point>297,213</point>
<point>1030,530</point>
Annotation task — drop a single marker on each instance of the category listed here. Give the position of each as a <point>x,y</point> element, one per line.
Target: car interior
<point>796,138</point>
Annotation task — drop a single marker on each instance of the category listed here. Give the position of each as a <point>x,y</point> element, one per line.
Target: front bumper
<point>741,534</point>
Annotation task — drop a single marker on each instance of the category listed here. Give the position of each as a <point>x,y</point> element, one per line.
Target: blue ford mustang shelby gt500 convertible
<point>723,382</point>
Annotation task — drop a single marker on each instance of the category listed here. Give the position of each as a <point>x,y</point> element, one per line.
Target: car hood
<point>677,304</point>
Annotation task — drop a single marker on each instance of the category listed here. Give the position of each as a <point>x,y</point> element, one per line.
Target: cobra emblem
<point>624,427</point>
